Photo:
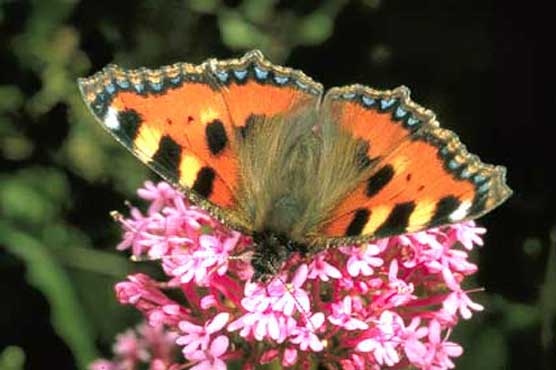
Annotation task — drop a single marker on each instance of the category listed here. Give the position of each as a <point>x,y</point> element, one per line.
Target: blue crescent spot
<point>240,74</point>
<point>483,187</point>
<point>411,121</point>
<point>400,112</point>
<point>465,173</point>
<point>348,95</point>
<point>301,85</point>
<point>261,74</point>
<point>139,87</point>
<point>367,101</point>
<point>176,80</point>
<point>222,76</point>
<point>124,84</point>
<point>385,104</point>
<point>156,86</point>
<point>110,88</point>
<point>453,164</point>
<point>314,91</point>
<point>444,150</point>
<point>478,179</point>
<point>280,80</point>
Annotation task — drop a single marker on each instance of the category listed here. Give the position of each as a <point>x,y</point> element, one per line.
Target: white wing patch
<point>111,119</point>
<point>460,213</point>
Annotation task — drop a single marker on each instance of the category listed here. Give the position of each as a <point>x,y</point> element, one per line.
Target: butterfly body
<point>258,147</point>
<point>271,251</point>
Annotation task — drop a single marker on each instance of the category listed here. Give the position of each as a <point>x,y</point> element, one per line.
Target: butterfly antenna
<point>245,256</point>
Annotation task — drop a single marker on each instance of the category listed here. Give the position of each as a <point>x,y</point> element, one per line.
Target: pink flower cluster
<point>387,304</point>
<point>145,345</point>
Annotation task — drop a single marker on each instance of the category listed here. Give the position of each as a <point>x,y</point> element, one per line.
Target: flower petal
<point>219,346</point>
<point>218,322</point>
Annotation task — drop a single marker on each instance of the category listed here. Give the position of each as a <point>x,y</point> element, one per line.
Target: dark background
<point>480,65</point>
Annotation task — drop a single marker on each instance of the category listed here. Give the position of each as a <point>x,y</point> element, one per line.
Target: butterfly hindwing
<point>183,120</point>
<point>421,177</point>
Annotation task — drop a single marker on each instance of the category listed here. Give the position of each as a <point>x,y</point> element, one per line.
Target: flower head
<point>385,304</point>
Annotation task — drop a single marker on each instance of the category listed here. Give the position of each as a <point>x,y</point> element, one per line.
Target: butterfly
<point>261,148</point>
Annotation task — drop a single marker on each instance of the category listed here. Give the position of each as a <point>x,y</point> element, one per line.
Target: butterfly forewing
<point>421,177</point>
<point>183,120</point>
<point>253,87</point>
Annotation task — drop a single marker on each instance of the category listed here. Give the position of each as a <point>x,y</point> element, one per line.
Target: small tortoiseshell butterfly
<point>258,147</point>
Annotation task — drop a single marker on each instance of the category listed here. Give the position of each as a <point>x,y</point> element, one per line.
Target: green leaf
<point>486,349</point>
<point>45,273</point>
<point>315,29</point>
<point>33,195</point>
<point>12,358</point>
<point>237,33</point>
<point>11,98</point>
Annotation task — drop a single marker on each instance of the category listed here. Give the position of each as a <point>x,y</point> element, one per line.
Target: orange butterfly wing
<point>422,175</point>
<point>182,119</point>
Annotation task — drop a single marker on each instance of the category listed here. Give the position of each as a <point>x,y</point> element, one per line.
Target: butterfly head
<point>272,250</point>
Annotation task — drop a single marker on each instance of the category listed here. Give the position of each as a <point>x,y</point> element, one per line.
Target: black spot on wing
<point>204,182</point>
<point>216,136</point>
<point>358,222</point>
<point>379,180</point>
<point>444,208</point>
<point>168,155</point>
<point>130,121</point>
<point>363,160</point>
<point>397,220</point>
<point>479,203</point>
<point>249,125</point>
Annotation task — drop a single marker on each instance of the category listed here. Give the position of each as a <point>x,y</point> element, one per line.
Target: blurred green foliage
<point>61,174</point>
<point>12,358</point>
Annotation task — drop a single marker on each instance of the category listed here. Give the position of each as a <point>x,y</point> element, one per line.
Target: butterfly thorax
<point>272,250</point>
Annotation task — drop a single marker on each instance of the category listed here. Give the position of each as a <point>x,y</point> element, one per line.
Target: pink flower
<point>305,336</point>
<point>290,297</point>
<point>460,301</point>
<point>290,357</point>
<point>376,306</point>
<point>132,232</point>
<point>342,316</point>
<point>261,320</point>
<point>137,347</point>
<point>127,345</point>
<point>354,362</point>
<point>439,351</point>
<point>468,234</point>
<point>198,337</point>
<point>384,341</point>
<point>411,336</point>
<point>160,195</point>
<point>102,364</point>
<point>362,259</point>
<point>210,359</point>
<point>320,268</point>
<point>402,290</point>
<point>210,257</point>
